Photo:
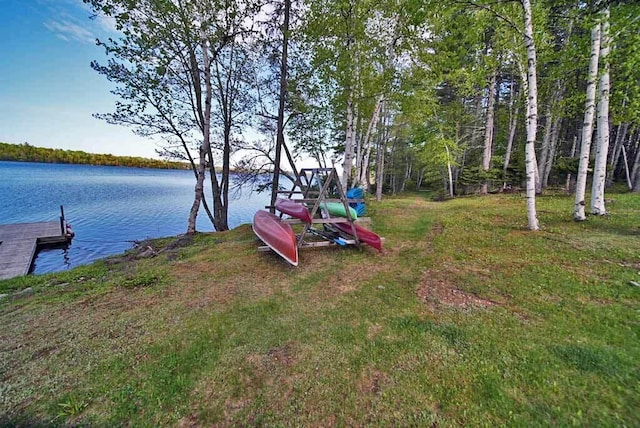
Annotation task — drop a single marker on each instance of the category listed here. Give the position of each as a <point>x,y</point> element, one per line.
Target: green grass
<point>467,318</point>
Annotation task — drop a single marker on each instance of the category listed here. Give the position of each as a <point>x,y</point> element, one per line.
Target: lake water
<point>108,207</point>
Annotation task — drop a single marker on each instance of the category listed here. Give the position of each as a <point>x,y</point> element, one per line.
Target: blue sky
<point>48,91</point>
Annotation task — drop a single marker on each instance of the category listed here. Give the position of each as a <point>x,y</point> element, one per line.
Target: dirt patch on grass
<point>372,381</point>
<point>282,355</point>
<point>436,230</point>
<point>374,331</point>
<point>436,290</point>
<point>352,277</point>
<point>190,421</point>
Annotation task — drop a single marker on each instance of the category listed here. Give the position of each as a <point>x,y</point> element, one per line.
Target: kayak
<point>276,235</point>
<point>294,209</point>
<point>364,235</point>
<point>357,193</point>
<point>337,208</point>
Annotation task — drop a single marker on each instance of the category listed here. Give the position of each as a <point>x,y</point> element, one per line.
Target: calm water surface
<point>108,207</point>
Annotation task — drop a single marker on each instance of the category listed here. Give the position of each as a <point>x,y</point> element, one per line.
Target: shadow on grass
<point>604,225</point>
<point>28,421</point>
<point>587,358</point>
<point>451,334</point>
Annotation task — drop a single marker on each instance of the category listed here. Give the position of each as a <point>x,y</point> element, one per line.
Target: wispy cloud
<point>106,23</point>
<point>100,22</point>
<point>67,30</point>
<point>74,21</point>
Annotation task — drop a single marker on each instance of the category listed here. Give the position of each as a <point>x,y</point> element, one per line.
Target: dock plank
<point>19,242</point>
<point>16,257</point>
<point>30,230</point>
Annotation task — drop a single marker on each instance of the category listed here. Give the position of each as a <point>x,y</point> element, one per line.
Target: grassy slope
<point>466,319</point>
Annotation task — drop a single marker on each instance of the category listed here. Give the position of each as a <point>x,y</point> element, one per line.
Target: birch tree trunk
<point>356,138</point>
<point>408,170</point>
<point>359,137</point>
<point>206,141</point>
<point>380,168</point>
<point>550,138</point>
<point>635,178</point>
<point>478,118</point>
<point>199,192</point>
<point>449,171</point>
<point>381,149</point>
<point>347,163</point>
<point>513,123</point>
<point>363,168</point>
<point>602,150</point>
<point>626,168</point>
<point>532,118</point>
<point>635,169</point>
<point>549,142</point>
<point>546,144</point>
<point>636,182</point>
<point>488,129</point>
<point>573,153</point>
<point>587,127</point>
<point>555,131</point>
<point>621,135</point>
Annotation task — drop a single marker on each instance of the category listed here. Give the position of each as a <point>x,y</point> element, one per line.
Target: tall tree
<point>281,102</point>
<point>350,43</point>
<point>602,149</point>
<point>205,148</point>
<point>514,109</point>
<point>489,128</point>
<point>587,126</point>
<point>532,116</point>
<point>164,79</point>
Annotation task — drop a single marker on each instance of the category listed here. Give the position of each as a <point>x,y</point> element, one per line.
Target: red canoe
<point>277,235</point>
<point>294,209</point>
<point>364,235</point>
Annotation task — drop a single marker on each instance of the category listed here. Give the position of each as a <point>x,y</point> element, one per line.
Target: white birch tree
<point>587,127</point>
<point>514,108</point>
<point>488,130</point>
<point>349,140</point>
<point>362,168</point>
<point>602,149</point>
<point>532,117</point>
<point>205,148</point>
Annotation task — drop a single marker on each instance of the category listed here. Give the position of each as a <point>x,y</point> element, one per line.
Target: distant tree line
<point>28,153</point>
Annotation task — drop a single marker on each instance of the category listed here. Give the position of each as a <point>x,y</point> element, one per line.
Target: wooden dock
<point>19,243</point>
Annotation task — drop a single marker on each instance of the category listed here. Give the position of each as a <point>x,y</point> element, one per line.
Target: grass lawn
<point>466,318</point>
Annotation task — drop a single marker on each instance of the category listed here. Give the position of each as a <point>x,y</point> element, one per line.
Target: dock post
<point>63,229</point>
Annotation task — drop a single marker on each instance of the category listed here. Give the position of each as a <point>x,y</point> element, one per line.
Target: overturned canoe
<point>337,208</point>
<point>294,209</point>
<point>276,235</point>
<point>364,235</point>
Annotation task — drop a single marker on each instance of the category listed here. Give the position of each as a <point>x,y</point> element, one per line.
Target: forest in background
<point>469,96</point>
<point>28,153</point>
